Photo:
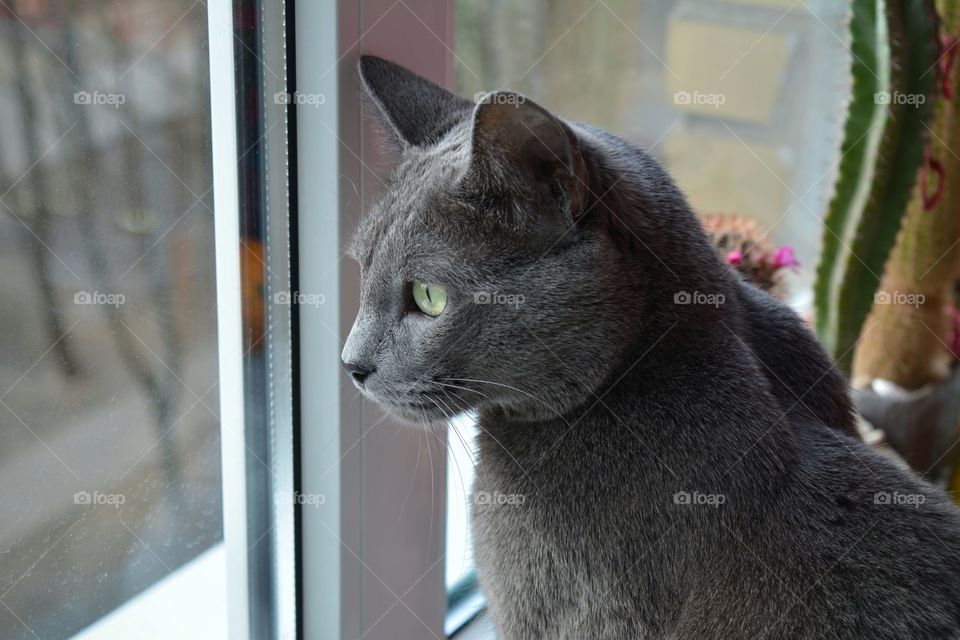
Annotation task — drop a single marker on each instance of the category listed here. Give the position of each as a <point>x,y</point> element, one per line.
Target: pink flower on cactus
<point>784,257</point>
<point>735,257</point>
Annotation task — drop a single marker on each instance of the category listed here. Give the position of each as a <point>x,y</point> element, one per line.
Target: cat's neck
<point>658,409</point>
<point>657,406</point>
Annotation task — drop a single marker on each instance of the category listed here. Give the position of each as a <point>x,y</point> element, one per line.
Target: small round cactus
<point>743,245</point>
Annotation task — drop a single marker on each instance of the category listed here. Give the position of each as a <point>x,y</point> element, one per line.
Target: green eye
<point>430,297</point>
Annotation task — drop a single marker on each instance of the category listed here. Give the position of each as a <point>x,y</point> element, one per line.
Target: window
<point>463,596</point>
<point>728,95</point>
<point>177,431</point>
<point>110,440</point>
<point>373,553</point>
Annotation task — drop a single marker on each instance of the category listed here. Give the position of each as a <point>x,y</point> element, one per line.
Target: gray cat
<point>664,450</point>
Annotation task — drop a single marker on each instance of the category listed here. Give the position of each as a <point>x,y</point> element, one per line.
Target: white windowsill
<point>480,628</point>
<point>191,602</point>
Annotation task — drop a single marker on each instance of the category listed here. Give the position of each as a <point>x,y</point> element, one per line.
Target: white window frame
<point>356,565</point>
<point>260,535</point>
<point>223,137</point>
<point>367,568</point>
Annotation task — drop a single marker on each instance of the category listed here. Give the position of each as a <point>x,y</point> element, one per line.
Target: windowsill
<point>463,612</point>
<point>191,602</point>
<point>480,628</point>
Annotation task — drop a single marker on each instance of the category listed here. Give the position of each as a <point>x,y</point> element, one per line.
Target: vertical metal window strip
<point>258,436</point>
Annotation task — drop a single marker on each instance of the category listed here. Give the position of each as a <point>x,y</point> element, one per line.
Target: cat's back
<point>886,543</point>
<point>846,545</point>
<point>855,548</point>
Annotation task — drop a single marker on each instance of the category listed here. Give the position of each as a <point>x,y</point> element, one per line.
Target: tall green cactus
<point>905,343</point>
<point>893,45</point>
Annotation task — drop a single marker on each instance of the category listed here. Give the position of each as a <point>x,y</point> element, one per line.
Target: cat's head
<point>489,277</point>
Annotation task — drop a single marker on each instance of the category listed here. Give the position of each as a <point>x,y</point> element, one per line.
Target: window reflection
<point>109,433</point>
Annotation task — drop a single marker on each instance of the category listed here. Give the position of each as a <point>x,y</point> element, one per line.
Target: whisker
<point>467,449</point>
<point>452,413</point>
<point>413,478</point>
<point>507,386</point>
<point>455,386</point>
<point>478,472</point>
<point>430,456</point>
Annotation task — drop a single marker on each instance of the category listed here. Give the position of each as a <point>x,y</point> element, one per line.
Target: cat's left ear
<point>520,150</point>
<point>417,111</point>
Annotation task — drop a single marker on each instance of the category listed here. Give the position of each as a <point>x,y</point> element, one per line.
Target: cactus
<point>742,244</point>
<point>893,43</point>
<point>907,343</point>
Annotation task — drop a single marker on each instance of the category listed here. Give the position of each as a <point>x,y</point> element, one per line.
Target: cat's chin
<point>416,414</point>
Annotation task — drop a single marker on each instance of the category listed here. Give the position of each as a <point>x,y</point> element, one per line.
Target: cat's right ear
<point>520,150</point>
<point>416,111</point>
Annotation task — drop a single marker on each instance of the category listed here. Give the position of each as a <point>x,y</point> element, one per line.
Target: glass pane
<point>109,429</point>
<point>460,472</point>
<point>730,95</point>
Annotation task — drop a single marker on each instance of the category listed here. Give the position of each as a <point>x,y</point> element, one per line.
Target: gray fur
<point>603,400</point>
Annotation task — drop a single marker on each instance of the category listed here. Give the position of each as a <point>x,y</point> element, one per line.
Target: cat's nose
<point>357,372</point>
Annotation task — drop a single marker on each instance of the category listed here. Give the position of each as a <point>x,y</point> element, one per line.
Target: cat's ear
<point>521,150</point>
<point>417,111</point>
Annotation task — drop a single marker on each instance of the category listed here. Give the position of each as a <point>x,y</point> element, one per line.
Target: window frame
<point>348,567</point>
<point>246,44</point>
<point>226,198</point>
<point>361,555</point>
